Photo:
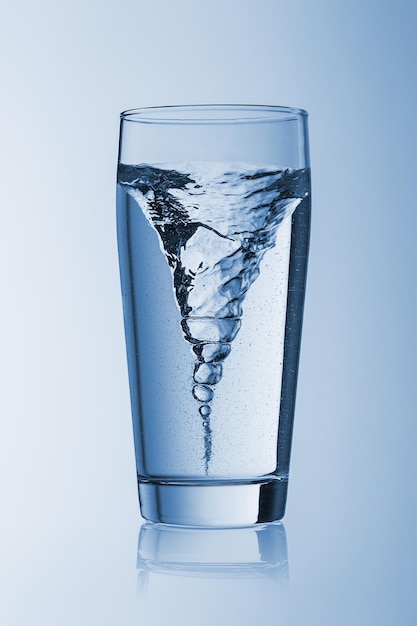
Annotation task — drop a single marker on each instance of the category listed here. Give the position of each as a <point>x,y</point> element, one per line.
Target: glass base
<point>213,504</point>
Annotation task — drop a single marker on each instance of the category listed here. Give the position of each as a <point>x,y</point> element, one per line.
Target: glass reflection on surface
<point>191,575</point>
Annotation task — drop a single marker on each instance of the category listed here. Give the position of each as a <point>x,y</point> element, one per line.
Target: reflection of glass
<point>257,551</point>
<point>212,576</point>
<point>213,225</point>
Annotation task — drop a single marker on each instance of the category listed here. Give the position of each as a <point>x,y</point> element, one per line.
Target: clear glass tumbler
<point>213,214</point>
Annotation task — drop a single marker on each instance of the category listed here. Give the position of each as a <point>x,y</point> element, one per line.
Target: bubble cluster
<point>207,373</point>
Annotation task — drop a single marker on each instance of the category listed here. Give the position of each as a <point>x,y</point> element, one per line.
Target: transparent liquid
<point>205,254</point>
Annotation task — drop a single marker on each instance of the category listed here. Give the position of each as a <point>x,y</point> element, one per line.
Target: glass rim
<point>203,114</point>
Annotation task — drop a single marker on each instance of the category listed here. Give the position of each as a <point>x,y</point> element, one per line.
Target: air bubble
<point>210,330</point>
<point>203,393</point>
<point>208,373</point>
<point>212,352</point>
<point>205,410</point>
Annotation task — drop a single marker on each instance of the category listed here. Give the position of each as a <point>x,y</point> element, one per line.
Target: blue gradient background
<point>69,518</point>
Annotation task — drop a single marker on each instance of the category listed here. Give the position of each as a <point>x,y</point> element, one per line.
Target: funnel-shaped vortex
<point>215,222</point>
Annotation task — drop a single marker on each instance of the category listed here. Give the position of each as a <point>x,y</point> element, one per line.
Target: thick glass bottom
<point>224,504</point>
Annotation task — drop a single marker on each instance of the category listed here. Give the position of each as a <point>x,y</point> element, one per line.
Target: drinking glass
<point>213,214</point>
